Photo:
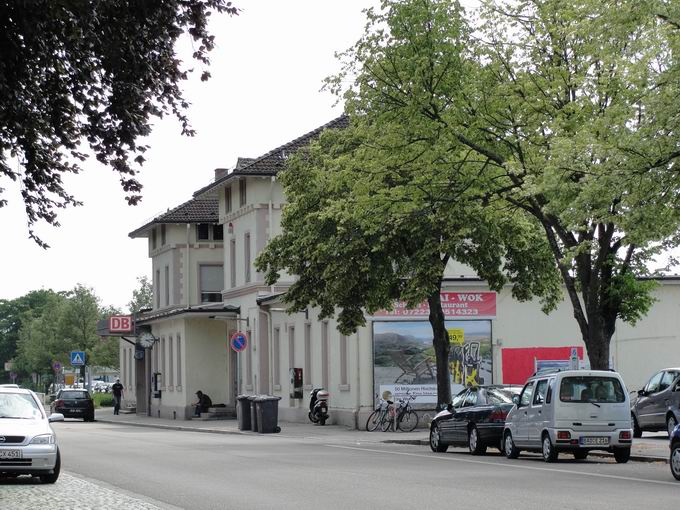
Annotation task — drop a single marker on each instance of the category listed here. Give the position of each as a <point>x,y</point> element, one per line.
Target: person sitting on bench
<point>203,404</point>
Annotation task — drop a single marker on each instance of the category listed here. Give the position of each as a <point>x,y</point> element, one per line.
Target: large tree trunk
<point>440,342</point>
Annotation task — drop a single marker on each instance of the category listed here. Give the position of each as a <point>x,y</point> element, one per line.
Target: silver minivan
<point>572,411</point>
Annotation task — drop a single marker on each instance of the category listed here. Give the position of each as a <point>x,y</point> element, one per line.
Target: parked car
<point>475,419</point>
<point>674,461</point>
<point>657,405</point>
<point>74,403</point>
<point>572,411</point>
<point>29,445</point>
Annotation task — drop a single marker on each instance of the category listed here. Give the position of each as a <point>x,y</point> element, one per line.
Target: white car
<point>28,445</point>
<point>573,411</point>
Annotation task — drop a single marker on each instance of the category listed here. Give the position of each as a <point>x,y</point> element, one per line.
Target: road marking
<point>515,466</point>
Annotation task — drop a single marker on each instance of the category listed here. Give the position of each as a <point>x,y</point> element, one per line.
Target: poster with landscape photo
<point>404,360</point>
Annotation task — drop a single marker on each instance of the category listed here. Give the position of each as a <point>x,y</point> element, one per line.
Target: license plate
<point>595,441</point>
<point>10,454</point>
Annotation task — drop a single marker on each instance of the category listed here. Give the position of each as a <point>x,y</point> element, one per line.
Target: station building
<point>206,289</point>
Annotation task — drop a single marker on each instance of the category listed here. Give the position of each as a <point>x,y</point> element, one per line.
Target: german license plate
<point>10,454</point>
<point>595,441</point>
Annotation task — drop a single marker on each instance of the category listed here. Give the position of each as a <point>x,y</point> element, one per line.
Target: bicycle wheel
<point>386,423</point>
<point>373,421</point>
<point>408,421</point>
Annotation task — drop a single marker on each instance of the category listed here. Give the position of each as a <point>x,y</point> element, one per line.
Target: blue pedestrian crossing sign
<point>77,358</point>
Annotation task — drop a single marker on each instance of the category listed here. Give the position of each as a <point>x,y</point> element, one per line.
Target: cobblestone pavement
<point>70,491</point>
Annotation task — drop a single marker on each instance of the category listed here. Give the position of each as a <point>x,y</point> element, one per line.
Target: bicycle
<point>407,418</point>
<point>379,418</point>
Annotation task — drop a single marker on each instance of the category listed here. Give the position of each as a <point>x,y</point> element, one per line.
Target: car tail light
<point>624,434</point>
<point>59,403</point>
<point>498,415</point>
<point>563,434</point>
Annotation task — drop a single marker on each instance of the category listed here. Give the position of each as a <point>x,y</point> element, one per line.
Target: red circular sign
<point>239,341</point>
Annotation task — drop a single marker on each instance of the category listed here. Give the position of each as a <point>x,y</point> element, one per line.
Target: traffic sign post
<point>13,376</point>
<point>238,341</point>
<point>77,358</point>
<point>56,366</point>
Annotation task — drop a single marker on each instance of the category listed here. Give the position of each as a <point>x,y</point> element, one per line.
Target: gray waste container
<point>268,414</point>
<point>243,412</point>
<point>253,413</point>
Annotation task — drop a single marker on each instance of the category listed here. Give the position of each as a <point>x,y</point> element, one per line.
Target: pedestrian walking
<point>117,390</point>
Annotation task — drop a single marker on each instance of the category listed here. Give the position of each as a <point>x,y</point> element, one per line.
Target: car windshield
<point>501,395</point>
<point>19,406</point>
<point>458,399</point>
<point>76,395</point>
<point>591,389</point>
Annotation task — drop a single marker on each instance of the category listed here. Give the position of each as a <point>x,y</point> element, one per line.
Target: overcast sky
<point>267,71</point>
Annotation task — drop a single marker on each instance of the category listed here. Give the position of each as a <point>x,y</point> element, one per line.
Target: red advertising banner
<point>454,304</point>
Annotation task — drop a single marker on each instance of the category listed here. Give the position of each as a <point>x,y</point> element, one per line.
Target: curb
<point>171,427</point>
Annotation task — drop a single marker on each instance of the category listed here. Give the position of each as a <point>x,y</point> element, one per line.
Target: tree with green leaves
<point>142,296</point>
<point>94,71</point>
<point>366,226</point>
<point>570,108</point>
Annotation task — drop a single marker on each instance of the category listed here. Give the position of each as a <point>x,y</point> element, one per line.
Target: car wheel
<point>549,452</point>
<point>475,444</point>
<point>671,423</point>
<point>580,454</point>
<point>637,431</point>
<point>511,451</point>
<point>621,455</point>
<point>436,444</point>
<point>52,478</point>
<point>675,461</point>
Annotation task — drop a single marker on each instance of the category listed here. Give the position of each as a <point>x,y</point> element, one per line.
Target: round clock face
<point>146,340</point>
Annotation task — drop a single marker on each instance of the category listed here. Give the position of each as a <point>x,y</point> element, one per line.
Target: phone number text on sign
<point>454,304</point>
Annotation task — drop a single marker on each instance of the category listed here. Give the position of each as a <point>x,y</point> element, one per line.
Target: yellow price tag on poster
<point>456,336</point>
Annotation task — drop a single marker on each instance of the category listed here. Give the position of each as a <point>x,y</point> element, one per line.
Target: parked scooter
<point>318,406</point>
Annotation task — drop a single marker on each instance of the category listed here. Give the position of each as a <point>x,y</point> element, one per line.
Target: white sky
<point>267,72</point>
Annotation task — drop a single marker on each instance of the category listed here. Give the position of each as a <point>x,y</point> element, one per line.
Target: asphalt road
<point>213,471</point>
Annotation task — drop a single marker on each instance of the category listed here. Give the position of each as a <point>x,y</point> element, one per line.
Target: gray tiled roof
<point>272,162</point>
<point>196,210</point>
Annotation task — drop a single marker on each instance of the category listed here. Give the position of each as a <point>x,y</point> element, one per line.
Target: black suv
<point>74,404</point>
<point>657,406</point>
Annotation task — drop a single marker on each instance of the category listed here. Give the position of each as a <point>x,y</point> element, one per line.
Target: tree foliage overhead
<point>142,297</point>
<point>571,107</point>
<point>96,71</point>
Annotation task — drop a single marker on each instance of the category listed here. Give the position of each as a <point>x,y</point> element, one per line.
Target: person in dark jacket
<point>117,390</point>
<point>203,404</point>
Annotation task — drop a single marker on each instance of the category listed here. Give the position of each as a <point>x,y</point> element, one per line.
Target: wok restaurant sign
<point>470,305</point>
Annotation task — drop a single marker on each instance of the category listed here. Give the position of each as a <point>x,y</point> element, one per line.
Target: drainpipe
<point>271,219</point>
<point>358,382</point>
<point>270,346</point>
<point>187,271</point>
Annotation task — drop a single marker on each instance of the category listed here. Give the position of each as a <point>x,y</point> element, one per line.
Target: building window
<point>123,369</point>
<point>163,237</point>
<point>203,232</point>
<point>227,199</point>
<point>307,375</point>
<point>163,372</point>
<point>344,379</point>
<point>179,361</point>
<point>153,238</point>
<point>242,192</point>
<point>277,357</point>
<point>246,252</point>
<point>212,282</point>
<point>232,262</point>
<point>157,286</point>
<point>171,362</point>
<point>218,232</point>
<point>324,354</point>
<point>167,286</point>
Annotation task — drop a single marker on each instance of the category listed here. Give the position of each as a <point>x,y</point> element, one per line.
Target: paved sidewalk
<point>652,447</point>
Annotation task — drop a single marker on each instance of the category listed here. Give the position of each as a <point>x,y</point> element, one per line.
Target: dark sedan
<point>74,404</point>
<point>675,453</point>
<point>475,419</point>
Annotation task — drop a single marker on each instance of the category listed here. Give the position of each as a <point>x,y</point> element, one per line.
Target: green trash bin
<point>243,412</point>
<point>267,408</point>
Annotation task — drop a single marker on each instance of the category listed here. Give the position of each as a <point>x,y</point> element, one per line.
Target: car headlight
<point>43,439</point>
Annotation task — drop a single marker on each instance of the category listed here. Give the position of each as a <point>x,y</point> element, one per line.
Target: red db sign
<point>121,324</point>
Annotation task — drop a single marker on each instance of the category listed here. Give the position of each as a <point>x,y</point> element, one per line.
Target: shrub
<point>103,399</point>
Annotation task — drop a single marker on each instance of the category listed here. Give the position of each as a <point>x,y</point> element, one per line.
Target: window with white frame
<point>227,199</point>
<point>291,347</point>
<point>344,376</point>
<point>242,199</point>
<point>157,287</point>
<point>232,262</point>
<point>211,280</point>
<point>171,362</point>
<point>277,357</point>
<point>249,360</point>
<point>167,286</point>
<point>163,236</point>
<point>179,362</point>
<point>246,253</point>
<point>164,376</point>
<point>324,354</point>
<point>153,238</point>
<point>307,374</point>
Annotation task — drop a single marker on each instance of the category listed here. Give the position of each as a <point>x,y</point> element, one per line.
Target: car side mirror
<point>55,417</point>
<point>515,400</point>
<point>642,393</point>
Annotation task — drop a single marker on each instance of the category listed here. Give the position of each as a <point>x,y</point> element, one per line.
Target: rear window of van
<point>591,389</point>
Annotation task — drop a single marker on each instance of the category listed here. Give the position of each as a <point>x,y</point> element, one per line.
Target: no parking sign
<point>239,341</point>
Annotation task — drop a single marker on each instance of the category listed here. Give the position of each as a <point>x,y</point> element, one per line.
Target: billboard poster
<point>404,359</point>
<point>468,305</point>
